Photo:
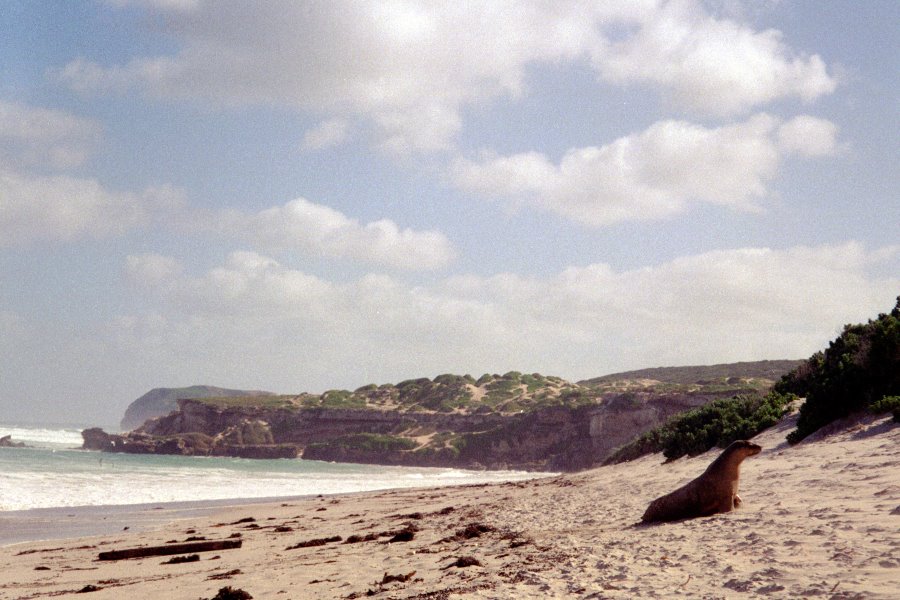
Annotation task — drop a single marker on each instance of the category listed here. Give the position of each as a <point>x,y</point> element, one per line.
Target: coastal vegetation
<point>515,393</point>
<point>510,393</point>
<point>756,374</point>
<point>859,371</point>
<point>717,423</point>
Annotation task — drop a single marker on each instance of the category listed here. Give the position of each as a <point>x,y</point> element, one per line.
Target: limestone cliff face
<point>617,421</point>
<point>556,438</point>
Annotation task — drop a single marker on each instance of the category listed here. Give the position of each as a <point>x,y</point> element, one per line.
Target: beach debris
<point>402,578</point>
<point>89,588</point>
<point>24,552</point>
<point>229,593</point>
<point>474,530</point>
<point>283,529</point>
<point>41,568</point>
<point>225,575</point>
<point>170,549</point>
<point>177,560</point>
<point>355,538</point>
<point>516,538</point>
<point>244,520</point>
<point>195,538</point>
<point>470,531</point>
<point>404,535</point>
<point>397,535</point>
<point>463,562</point>
<point>414,516</point>
<point>315,542</point>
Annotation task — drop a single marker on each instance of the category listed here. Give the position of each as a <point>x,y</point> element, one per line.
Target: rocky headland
<point>510,421</point>
<point>7,442</point>
<point>161,401</point>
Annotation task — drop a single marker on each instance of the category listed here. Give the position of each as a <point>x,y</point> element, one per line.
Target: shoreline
<point>819,519</point>
<point>75,522</point>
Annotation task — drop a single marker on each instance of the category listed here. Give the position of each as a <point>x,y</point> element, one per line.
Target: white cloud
<point>808,136</point>
<point>411,67</point>
<point>320,230</point>
<point>31,136</point>
<point>714,66</point>
<point>729,305</point>
<point>62,208</point>
<point>326,134</point>
<point>654,173</point>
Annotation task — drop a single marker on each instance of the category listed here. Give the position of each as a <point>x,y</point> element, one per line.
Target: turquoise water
<point>53,474</point>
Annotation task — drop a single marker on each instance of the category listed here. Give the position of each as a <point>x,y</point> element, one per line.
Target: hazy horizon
<point>293,196</point>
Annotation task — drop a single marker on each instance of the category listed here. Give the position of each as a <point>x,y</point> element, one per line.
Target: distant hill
<point>161,401</point>
<point>769,370</point>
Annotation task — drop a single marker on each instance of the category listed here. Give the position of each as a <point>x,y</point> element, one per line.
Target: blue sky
<point>301,196</point>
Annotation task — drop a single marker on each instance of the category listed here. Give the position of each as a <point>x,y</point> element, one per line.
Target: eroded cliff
<point>511,421</point>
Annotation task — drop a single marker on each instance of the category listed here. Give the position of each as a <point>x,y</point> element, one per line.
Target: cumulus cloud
<point>728,305</point>
<point>654,173</point>
<point>319,230</point>
<point>714,66</point>
<point>808,136</point>
<point>410,68</point>
<point>62,208</point>
<point>32,136</point>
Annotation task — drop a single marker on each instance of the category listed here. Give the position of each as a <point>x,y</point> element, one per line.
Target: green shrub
<point>717,423</point>
<point>484,379</point>
<point>886,404</point>
<point>857,370</point>
<point>341,399</point>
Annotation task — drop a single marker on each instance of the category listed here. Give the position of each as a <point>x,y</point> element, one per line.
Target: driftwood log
<point>170,549</point>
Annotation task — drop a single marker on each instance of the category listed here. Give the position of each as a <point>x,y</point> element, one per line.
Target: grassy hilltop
<point>515,392</point>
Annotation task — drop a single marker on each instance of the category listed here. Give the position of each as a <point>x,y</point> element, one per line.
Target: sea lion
<point>713,492</point>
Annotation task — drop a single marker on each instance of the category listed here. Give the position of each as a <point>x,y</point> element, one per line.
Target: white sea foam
<point>39,436</point>
<point>53,476</point>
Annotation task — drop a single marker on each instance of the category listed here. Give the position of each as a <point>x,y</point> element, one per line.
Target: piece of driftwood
<point>170,549</point>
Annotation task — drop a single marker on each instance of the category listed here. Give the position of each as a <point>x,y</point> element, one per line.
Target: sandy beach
<point>821,519</point>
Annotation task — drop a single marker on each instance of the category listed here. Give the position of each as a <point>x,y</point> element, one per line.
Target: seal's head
<point>745,448</point>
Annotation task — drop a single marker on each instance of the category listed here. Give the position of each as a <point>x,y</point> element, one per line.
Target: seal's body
<point>713,492</point>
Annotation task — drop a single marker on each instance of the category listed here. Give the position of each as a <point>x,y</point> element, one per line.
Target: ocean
<point>54,473</point>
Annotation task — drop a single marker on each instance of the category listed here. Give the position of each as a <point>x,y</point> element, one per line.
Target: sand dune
<point>821,519</point>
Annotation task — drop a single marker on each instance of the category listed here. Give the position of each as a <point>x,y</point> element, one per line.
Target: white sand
<point>821,519</point>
